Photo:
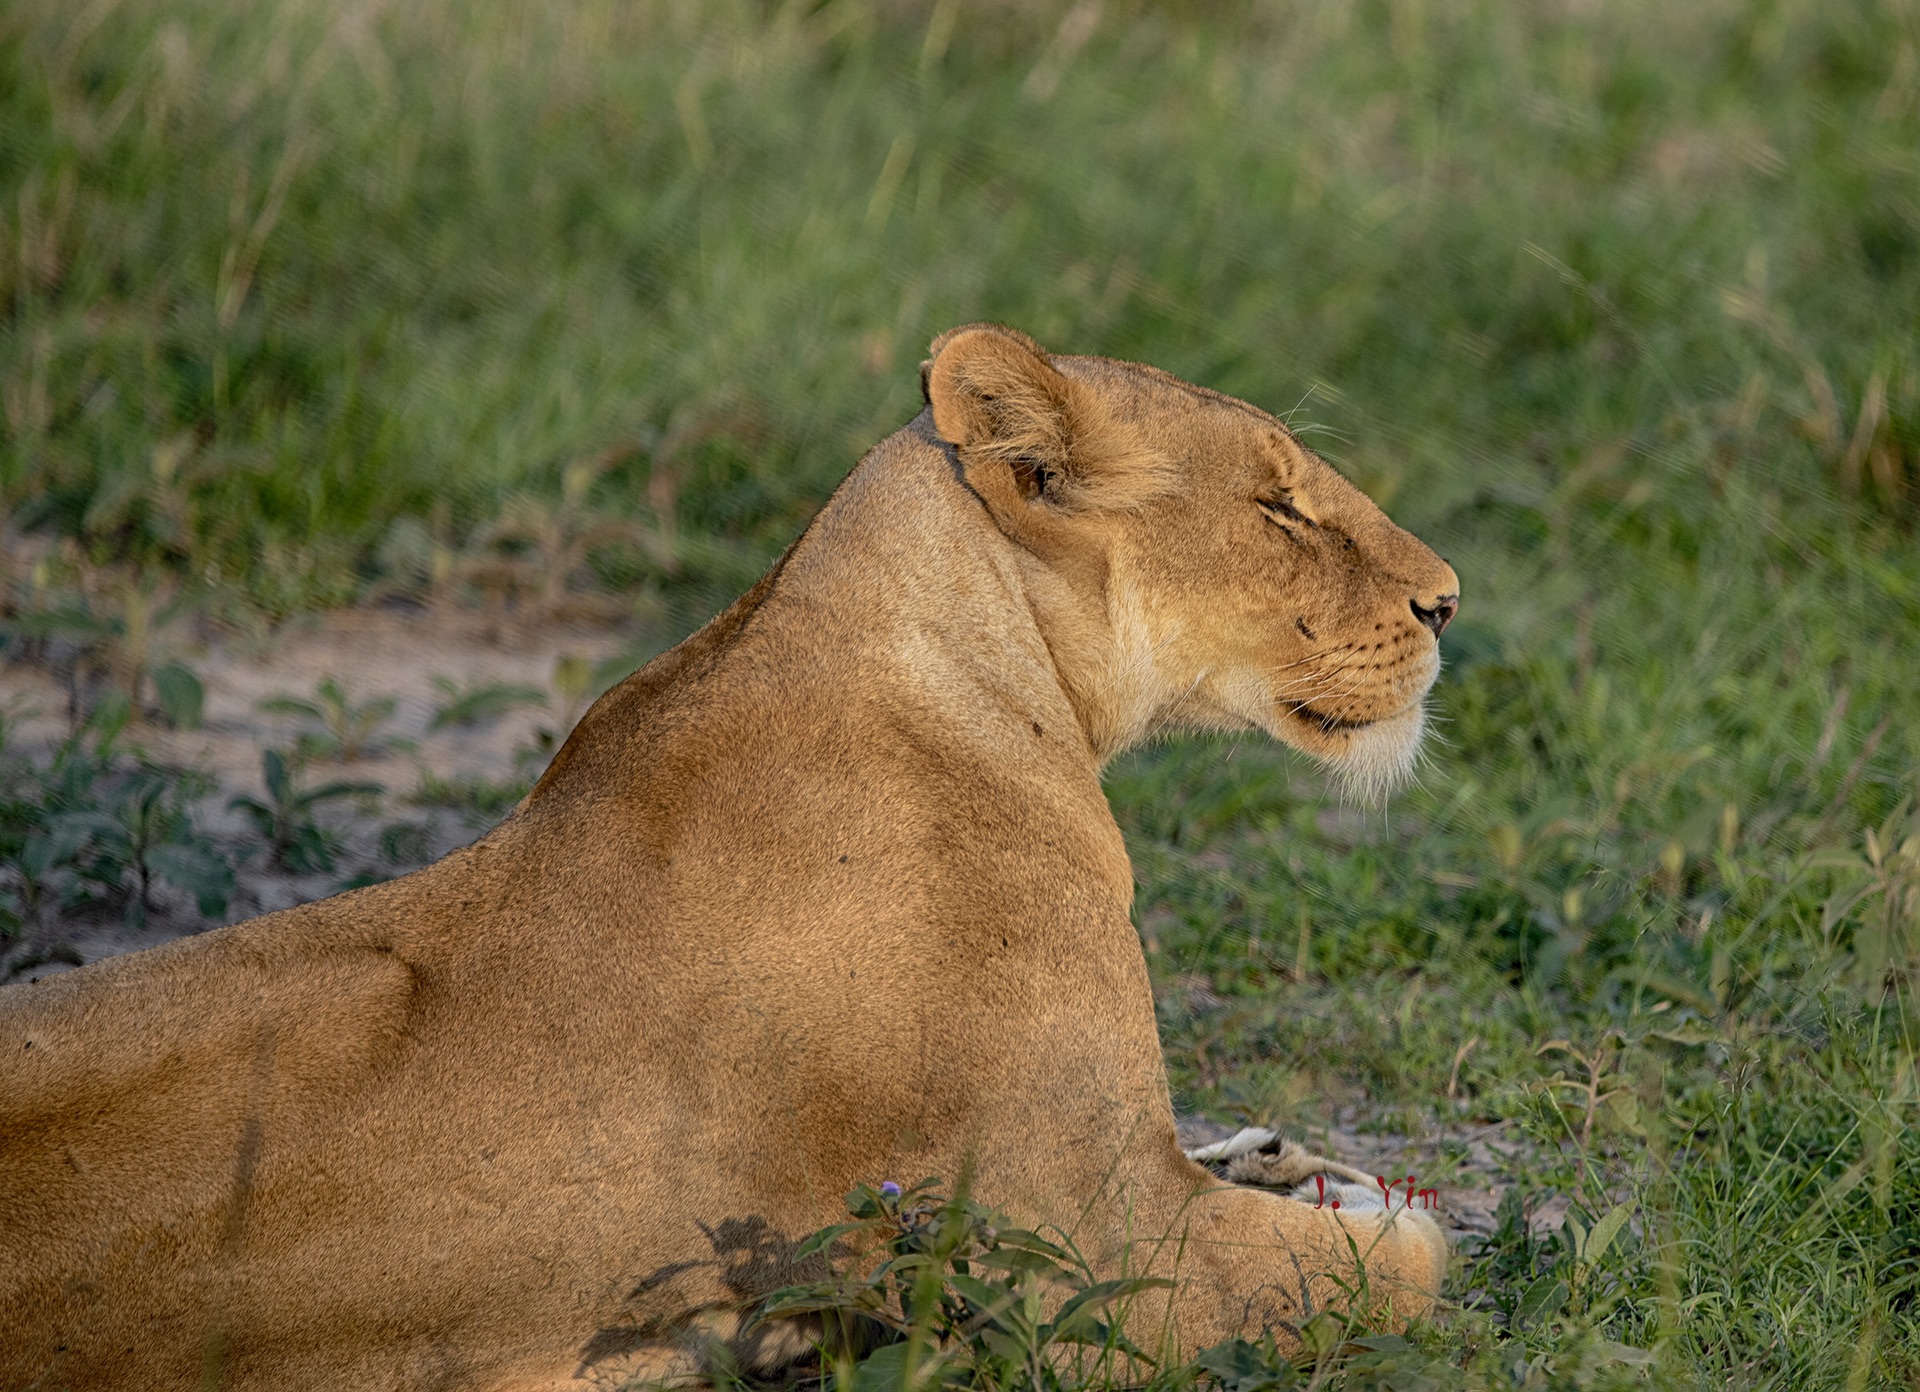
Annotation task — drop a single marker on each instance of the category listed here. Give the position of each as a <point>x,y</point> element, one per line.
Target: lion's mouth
<point>1321,720</point>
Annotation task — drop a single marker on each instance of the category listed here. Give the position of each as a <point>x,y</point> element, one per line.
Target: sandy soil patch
<point>420,661</point>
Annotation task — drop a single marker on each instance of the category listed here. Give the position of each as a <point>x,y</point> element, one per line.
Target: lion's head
<point>1192,564</point>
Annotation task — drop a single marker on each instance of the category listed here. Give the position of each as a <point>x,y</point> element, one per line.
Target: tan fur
<point>828,893</point>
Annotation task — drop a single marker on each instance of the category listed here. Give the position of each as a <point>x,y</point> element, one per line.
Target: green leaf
<point>1023,1240</point>
<point>985,1299</point>
<point>328,792</point>
<point>1019,1259</point>
<point>108,720</point>
<point>256,812</point>
<point>1091,1333</point>
<point>1576,1235</point>
<point>307,851</point>
<point>803,1300</point>
<point>62,838</point>
<point>1101,1294</point>
<point>1604,1232</point>
<point>1322,1334</point>
<point>481,703</point>
<point>1690,1032</point>
<point>1008,1346</point>
<point>823,1239</point>
<point>883,1370</point>
<point>572,674</point>
<point>288,705</point>
<point>1542,1300</point>
<point>1382,1343</point>
<point>199,870</point>
<point>1240,1366</point>
<point>182,697</point>
<point>68,621</point>
<point>273,767</point>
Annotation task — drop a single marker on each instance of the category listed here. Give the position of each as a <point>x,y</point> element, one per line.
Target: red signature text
<point>1389,1191</point>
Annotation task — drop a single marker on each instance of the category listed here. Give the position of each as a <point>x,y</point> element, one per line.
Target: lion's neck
<point>903,582</point>
<point>907,560</point>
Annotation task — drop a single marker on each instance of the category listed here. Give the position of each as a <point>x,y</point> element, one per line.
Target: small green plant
<point>1880,892</point>
<point>961,1298</point>
<point>286,819</point>
<point>1243,1365</point>
<point>540,543</point>
<point>404,844</point>
<point>479,703</point>
<point>347,732</point>
<point>37,851</point>
<point>924,1291</point>
<point>97,827</point>
<point>115,628</point>
<point>1565,1284</point>
<point>139,832</point>
<point>181,696</point>
<point>479,800</point>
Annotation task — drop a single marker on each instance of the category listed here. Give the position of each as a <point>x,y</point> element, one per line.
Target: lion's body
<point>829,893</point>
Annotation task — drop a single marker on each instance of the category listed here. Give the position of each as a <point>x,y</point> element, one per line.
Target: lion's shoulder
<point>193,1023</point>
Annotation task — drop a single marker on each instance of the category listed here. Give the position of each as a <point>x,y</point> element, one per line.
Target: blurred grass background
<point>590,304</point>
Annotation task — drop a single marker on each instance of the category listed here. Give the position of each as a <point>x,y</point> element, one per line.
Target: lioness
<point>828,893</point>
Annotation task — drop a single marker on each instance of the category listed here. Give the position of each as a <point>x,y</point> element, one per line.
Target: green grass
<point>541,305</point>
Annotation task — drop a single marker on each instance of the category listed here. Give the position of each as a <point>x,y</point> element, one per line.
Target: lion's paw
<point>1263,1159</point>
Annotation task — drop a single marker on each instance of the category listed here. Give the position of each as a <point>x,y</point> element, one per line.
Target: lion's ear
<point>1013,416</point>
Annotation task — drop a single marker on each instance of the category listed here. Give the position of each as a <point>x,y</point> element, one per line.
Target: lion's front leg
<point>1248,1261</point>
<point>1244,1260</point>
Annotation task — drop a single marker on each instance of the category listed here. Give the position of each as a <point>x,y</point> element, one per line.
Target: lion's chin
<point>1368,760</point>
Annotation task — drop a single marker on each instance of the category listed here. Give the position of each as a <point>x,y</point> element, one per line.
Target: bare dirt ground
<point>440,787</point>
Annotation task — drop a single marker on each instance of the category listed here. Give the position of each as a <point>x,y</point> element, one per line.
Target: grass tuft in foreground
<point>961,1298</point>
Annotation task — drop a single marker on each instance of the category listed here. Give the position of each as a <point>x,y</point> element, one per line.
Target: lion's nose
<point>1439,615</point>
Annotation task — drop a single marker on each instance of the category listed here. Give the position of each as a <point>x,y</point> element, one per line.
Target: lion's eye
<point>1282,510</point>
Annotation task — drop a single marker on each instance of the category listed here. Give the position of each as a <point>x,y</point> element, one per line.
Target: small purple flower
<point>890,1189</point>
